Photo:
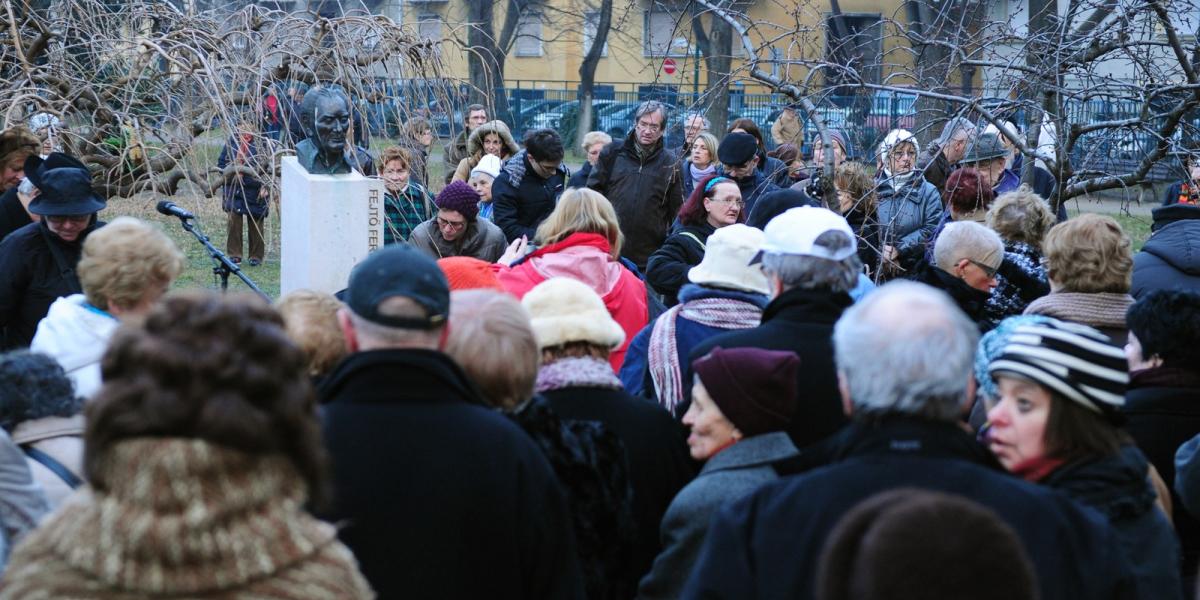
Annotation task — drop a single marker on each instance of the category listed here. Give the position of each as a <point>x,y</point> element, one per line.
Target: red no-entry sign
<point>669,66</point>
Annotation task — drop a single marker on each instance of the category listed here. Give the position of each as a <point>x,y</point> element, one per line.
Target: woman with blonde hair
<point>1090,269</point>
<point>310,319</point>
<point>700,163</point>
<point>581,240</point>
<point>125,267</point>
<point>593,143</point>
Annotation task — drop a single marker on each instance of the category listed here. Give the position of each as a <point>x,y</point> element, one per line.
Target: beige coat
<point>62,439</point>
<point>475,148</point>
<point>787,129</point>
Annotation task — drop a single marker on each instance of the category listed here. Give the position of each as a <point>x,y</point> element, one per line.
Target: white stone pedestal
<point>327,224</point>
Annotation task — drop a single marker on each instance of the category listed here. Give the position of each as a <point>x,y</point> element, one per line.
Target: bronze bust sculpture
<point>325,116</point>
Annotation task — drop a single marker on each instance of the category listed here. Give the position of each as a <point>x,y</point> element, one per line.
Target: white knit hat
<point>564,310</point>
<point>489,164</point>
<point>726,262</point>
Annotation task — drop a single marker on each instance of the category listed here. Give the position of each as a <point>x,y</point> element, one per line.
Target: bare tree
<point>146,93</point>
<point>587,69</point>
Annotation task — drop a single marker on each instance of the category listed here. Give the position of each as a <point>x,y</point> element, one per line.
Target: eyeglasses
<point>648,126</point>
<point>451,225</point>
<point>989,271</point>
<point>734,201</point>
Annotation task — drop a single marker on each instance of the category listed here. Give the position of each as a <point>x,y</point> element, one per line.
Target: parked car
<point>552,119</point>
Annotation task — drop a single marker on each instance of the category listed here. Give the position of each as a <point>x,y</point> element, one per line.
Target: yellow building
<point>652,41</point>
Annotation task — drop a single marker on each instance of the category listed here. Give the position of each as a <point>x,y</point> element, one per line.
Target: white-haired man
<point>904,356</point>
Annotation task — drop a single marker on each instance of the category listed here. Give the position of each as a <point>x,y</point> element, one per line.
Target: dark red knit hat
<point>459,197</point>
<point>466,273</point>
<point>965,192</point>
<point>754,388</point>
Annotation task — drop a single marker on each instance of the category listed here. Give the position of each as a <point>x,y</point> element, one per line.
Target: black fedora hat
<point>66,191</point>
<point>36,166</point>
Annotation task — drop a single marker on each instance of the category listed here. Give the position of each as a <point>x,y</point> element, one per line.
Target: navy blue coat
<point>1170,259</point>
<point>521,199</point>
<point>439,496</point>
<point>1117,487</point>
<point>767,545</point>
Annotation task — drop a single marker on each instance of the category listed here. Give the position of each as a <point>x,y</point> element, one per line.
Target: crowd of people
<point>692,369</point>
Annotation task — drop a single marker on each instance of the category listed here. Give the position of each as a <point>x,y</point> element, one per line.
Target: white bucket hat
<point>726,260</point>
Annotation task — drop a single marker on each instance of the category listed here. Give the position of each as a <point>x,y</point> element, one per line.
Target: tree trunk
<point>485,59</point>
<point>587,71</point>
<point>716,45</point>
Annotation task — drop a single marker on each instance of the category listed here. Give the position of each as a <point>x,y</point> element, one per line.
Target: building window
<point>429,27</point>
<point>529,35</point>
<point>663,34</point>
<point>591,22</point>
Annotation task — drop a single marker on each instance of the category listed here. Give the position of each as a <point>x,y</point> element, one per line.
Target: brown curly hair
<point>219,369</point>
<point>1089,254</point>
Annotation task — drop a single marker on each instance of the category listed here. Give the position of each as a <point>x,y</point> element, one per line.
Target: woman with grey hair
<point>39,409</point>
<point>1021,218</point>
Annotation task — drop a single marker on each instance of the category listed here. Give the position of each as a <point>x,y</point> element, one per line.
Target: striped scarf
<point>663,354</point>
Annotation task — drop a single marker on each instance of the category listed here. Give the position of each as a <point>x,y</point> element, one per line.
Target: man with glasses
<point>942,156</point>
<point>966,257</point>
<point>37,261</point>
<point>738,154</point>
<point>529,184</point>
<point>642,180</point>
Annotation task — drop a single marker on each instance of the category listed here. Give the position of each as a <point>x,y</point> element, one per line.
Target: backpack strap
<point>696,239</point>
<point>55,467</point>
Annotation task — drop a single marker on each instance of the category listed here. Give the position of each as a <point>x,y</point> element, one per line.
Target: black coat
<point>579,178</point>
<point>592,467</point>
<point>1162,410</point>
<point>973,302</point>
<point>767,545</point>
<point>800,321</point>
<point>754,186</point>
<point>521,199</point>
<point>934,166</point>
<point>1170,259</point>
<point>645,190</point>
<point>1117,487</point>
<point>771,205</point>
<point>440,496</point>
<point>31,279</point>
<point>655,444</point>
<point>12,214</point>
<point>667,268</point>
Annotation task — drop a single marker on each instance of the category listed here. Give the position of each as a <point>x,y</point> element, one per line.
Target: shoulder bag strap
<point>64,270</point>
<point>693,236</point>
<point>55,467</point>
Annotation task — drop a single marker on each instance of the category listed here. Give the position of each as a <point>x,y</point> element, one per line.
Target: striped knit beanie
<point>1072,360</point>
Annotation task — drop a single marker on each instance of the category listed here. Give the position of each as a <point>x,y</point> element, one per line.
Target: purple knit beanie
<point>459,197</point>
<point>754,388</point>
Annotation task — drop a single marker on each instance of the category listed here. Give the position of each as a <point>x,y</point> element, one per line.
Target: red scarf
<point>1186,195</point>
<point>1037,469</point>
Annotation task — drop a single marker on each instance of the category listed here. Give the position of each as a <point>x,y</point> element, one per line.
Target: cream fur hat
<point>564,310</point>
<point>726,262</point>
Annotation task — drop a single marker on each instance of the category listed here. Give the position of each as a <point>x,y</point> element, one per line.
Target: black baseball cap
<point>403,271</point>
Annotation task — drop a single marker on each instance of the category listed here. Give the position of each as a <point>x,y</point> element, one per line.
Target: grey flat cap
<point>985,146</point>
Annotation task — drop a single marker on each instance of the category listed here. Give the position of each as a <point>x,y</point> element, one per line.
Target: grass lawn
<point>198,273</point>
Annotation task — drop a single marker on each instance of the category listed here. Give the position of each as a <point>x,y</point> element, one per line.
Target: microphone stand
<point>224,267</point>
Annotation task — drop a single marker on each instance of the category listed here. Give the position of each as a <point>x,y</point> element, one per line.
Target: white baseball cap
<point>796,231</point>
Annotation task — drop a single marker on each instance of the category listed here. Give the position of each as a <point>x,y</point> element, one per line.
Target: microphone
<point>171,209</point>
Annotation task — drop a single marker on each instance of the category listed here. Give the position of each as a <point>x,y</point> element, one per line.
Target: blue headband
<point>714,181</point>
